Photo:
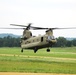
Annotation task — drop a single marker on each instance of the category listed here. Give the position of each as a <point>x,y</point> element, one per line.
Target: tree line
<point>63,42</point>
<point>9,42</point>
<point>15,42</point>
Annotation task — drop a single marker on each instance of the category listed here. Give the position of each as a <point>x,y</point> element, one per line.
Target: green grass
<point>59,60</point>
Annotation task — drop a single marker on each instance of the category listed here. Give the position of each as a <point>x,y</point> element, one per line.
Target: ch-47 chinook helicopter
<point>36,42</point>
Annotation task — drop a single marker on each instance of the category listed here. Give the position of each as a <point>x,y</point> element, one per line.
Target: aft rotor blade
<point>64,28</point>
<point>41,28</point>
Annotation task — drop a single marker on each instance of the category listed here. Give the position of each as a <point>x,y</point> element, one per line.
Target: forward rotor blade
<point>36,28</point>
<point>29,26</point>
<point>21,25</point>
<point>11,28</point>
<point>18,25</point>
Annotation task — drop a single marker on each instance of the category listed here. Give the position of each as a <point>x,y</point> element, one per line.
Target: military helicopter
<point>36,42</point>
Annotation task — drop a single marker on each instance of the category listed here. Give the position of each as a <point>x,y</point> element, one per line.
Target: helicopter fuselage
<point>38,42</point>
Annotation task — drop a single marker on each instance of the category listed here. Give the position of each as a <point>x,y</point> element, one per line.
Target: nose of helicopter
<point>51,39</point>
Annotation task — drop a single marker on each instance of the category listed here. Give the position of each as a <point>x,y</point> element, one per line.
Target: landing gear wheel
<point>21,50</point>
<point>35,50</point>
<point>48,50</point>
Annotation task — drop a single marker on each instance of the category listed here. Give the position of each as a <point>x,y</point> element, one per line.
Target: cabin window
<point>27,42</point>
<point>41,39</point>
<point>30,34</point>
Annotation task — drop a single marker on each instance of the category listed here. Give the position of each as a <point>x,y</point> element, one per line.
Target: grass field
<point>59,60</point>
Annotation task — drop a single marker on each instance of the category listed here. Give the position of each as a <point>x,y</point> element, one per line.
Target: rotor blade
<point>11,28</point>
<point>36,28</point>
<point>18,25</point>
<point>64,28</point>
<point>29,25</point>
<point>52,28</point>
<point>60,28</point>
<point>40,28</point>
<point>21,25</point>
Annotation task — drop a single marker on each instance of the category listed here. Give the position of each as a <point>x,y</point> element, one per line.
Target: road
<point>15,73</point>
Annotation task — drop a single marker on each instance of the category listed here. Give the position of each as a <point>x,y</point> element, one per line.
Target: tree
<point>69,43</point>
<point>1,42</point>
<point>61,42</point>
<point>9,42</point>
<point>74,42</point>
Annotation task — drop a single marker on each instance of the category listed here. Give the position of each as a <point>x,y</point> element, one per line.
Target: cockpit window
<point>49,37</point>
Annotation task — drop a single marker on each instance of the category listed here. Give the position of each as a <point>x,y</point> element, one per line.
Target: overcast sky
<point>42,13</point>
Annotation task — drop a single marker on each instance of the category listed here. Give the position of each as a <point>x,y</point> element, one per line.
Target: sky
<point>42,13</point>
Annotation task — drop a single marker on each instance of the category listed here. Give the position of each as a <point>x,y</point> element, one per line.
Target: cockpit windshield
<point>50,37</point>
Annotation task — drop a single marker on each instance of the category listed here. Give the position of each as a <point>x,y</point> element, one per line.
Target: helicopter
<point>28,41</point>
